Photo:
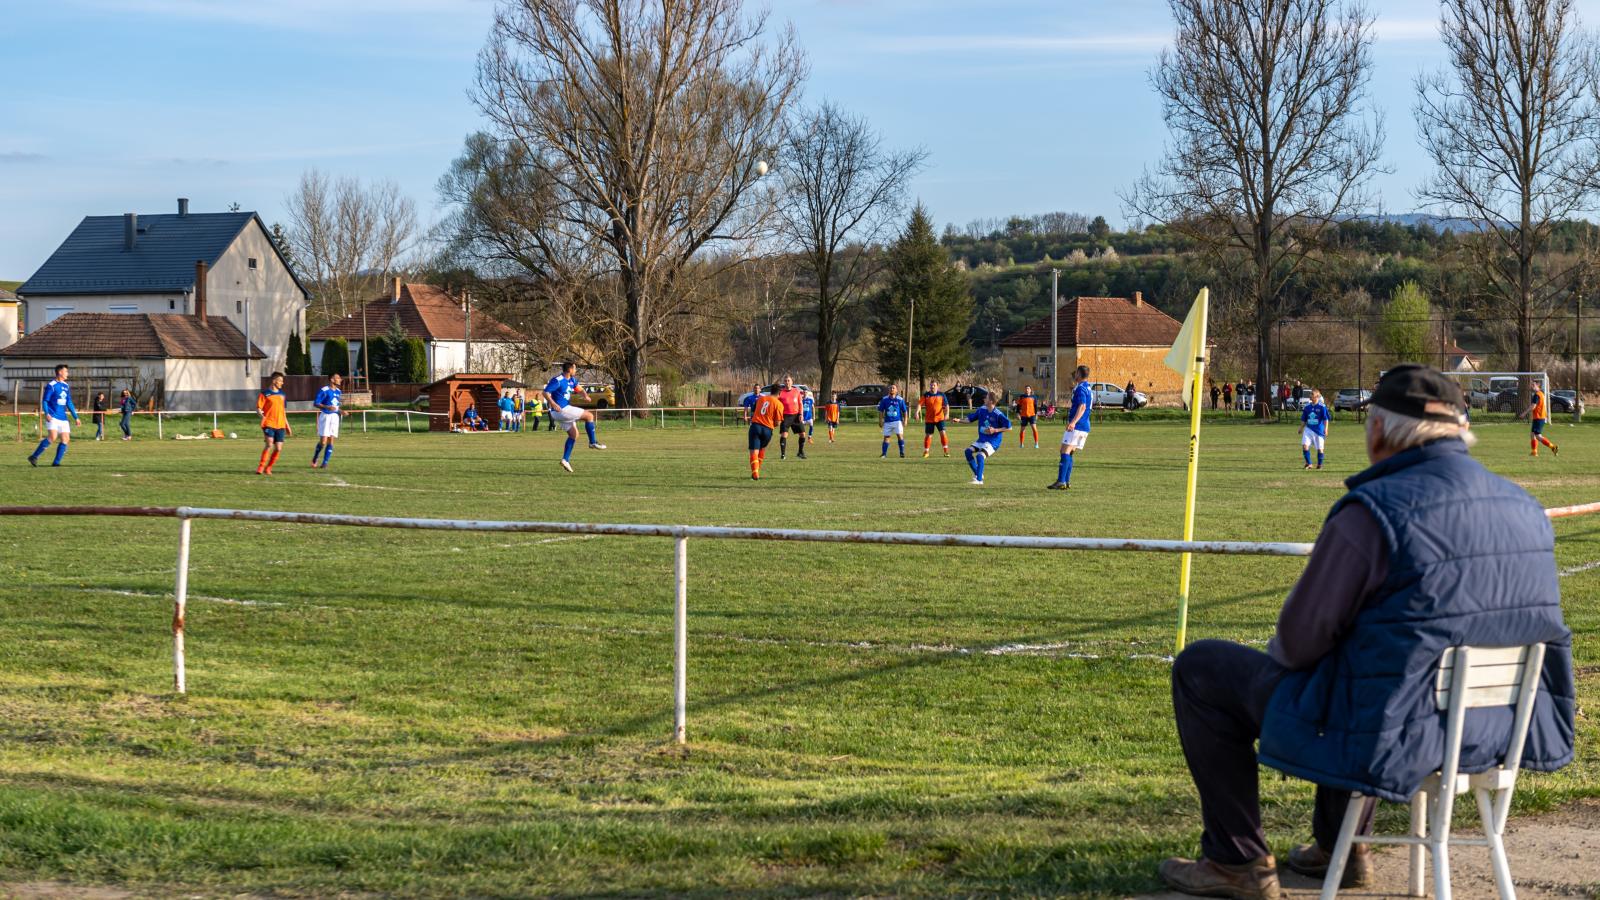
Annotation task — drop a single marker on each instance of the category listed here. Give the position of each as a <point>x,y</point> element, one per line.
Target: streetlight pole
<point>911,330</point>
<point>1055,333</point>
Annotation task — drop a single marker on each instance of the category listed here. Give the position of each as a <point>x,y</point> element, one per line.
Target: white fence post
<point>213,420</point>
<point>663,418</point>
<point>408,421</point>
<point>363,421</point>
<point>680,641</point>
<point>180,604</point>
<point>160,434</point>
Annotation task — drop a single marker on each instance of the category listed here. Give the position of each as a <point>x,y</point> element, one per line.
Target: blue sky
<point>109,106</point>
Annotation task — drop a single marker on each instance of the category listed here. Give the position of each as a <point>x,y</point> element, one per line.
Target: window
<point>172,304</point>
<point>125,310</point>
<point>238,306</point>
<point>52,313</point>
<point>252,262</point>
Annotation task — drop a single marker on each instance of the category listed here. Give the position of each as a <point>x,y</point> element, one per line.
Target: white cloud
<point>982,43</point>
<point>1405,30</point>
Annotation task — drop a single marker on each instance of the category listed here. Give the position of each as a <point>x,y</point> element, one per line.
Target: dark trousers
<point>1220,692</point>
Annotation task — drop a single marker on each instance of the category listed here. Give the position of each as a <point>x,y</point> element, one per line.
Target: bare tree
<point>842,193</point>
<point>1264,100</point>
<point>348,237</point>
<point>643,122</point>
<point>1513,127</point>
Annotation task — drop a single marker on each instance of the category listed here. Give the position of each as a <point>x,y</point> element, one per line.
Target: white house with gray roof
<point>145,264</point>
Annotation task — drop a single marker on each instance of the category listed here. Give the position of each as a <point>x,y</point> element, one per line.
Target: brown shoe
<point>1312,861</point>
<point>1254,880</point>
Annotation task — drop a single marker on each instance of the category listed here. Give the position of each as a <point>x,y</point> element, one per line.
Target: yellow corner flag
<point>1188,357</point>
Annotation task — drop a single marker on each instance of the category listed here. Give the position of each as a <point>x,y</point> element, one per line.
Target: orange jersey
<point>1027,406</point>
<point>1540,411</point>
<point>270,403</point>
<point>934,407</point>
<point>768,411</point>
<point>830,413</point>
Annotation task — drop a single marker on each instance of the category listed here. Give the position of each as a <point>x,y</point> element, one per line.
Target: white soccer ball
<point>232,435</point>
<point>761,167</point>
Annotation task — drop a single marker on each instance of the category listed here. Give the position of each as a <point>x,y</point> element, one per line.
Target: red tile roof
<point>1102,322</point>
<point>425,312</point>
<point>134,336</point>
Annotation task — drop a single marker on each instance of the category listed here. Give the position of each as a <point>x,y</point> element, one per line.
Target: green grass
<point>489,715</point>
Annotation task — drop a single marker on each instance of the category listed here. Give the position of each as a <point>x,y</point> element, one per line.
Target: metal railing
<point>680,535</point>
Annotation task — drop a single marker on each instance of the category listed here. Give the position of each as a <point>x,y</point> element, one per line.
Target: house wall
<point>1144,366</point>
<point>8,323</point>
<point>149,372</point>
<point>276,305</point>
<point>40,311</point>
<point>206,384</point>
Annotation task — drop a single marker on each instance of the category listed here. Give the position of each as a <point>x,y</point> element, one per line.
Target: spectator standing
<point>1216,395</point>
<point>126,406</point>
<point>1227,395</point>
<point>99,407</point>
<point>1127,396</point>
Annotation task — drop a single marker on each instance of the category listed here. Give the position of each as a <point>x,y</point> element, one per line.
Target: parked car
<point>863,395</point>
<point>1507,401</point>
<point>595,396</point>
<point>1571,397</point>
<point>1351,398</point>
<point>1113,395</point>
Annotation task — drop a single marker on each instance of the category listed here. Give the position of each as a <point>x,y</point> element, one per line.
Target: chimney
<point>130,230</point>
<point>183,207</point>
<point>1138,298</point>
<point>396,297</point>
<point>200,290</point>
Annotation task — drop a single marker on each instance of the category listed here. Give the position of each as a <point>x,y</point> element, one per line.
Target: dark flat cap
<point>1420,392</point>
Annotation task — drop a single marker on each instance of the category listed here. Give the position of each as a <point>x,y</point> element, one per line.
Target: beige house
<point>1119,339</point>
<point>9,318</point>
<point>137,264</point>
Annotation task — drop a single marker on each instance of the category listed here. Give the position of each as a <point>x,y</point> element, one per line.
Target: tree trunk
<point>1264,371</point>
<point>827,353</point>
<point>632,394</point>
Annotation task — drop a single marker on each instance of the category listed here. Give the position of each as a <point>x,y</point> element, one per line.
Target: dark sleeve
<point>1347,567</point>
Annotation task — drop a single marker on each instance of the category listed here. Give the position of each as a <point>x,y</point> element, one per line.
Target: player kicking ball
<point>992,427</point>
<point>1077,433</point>
<point>558,393</point>
<point>57,405</point>
<point>1314,428</point>
<point>274,422</point>
<point>765,415</point>
<point>329,412</point>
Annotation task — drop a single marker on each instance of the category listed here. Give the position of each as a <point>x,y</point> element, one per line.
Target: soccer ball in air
<point>233,435</point>
<point>761,167</point>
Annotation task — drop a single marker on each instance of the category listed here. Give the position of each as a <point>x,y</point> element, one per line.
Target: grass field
<point>489,715</point>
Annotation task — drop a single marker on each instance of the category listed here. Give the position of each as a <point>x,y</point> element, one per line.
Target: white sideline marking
<point>1573,570</point>
<point>165,596</point>
<point>336,481</point>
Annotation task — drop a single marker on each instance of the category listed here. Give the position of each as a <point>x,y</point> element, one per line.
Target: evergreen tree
<point>926,297</point>
<point>387,362</point>
<point>336,356</point>
<point>414,361</point>
<point>296,361</point>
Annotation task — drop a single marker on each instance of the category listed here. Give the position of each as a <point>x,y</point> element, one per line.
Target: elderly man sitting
<point>1427,551</point>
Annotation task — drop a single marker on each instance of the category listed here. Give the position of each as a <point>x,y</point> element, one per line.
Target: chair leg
<point>1341,847</point>
<point>1492,828</point>
<point>1417,868</point>
<point>1441,868</point>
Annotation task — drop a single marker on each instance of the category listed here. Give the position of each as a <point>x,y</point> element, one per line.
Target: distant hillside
<point>10,285</point>
<point>1416,220</point>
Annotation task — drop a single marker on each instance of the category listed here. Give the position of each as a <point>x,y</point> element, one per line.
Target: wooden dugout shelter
<point>448,399</point>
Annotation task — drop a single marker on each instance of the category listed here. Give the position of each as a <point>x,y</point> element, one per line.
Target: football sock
<point>567,453</point>
<point>802,444</point>
<point>970,464</point>
<point>316,452</point>
<point>1542,439</point>
<point>885,447</point>
<point>261,466</point>
<point>783,444</point>
<point>927,443</point>
<point>1533,444</point>
<point>327,455</point>
<point>1036,435</point>
<point>755,462</point>
<point>39,451</point>
<point>589,427</point>
<point>1064,471</point>
<point>977,464</point>
<point>1307,454</point>
<point>1319,459</point>
<point>944,441</point>
<point>61,450</point>
<point>272,460</point>
<point>902,443</point>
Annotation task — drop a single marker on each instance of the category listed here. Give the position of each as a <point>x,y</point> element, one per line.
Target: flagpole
<point>1197,366</point>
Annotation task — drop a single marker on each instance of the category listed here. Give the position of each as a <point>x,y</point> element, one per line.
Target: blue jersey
<point>58,401</point>
<point>1315,419</point>
<point>894,409</point>
<point>328,399</point>
<point>507,405</point>
<point>808,409</point>
<point>749,401</point>
<point>1082,398</point>
<point>991,422</point>
<point>560,390</point>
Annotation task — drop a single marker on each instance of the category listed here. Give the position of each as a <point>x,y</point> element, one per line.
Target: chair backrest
<point>1475,677</point>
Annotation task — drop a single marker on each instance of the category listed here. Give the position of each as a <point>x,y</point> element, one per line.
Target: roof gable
<point>425,312</point>
<point>1101,321</point>
<point>134,336</point>
<point>94,258</point>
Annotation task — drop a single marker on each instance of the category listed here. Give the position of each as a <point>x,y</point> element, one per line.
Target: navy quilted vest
<point>1471,562</point>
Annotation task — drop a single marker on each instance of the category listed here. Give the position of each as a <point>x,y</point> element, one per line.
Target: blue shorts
<point>275,435</point>
<point>1029,420</point>
<point>1538,425</point>
<point>760,436</point>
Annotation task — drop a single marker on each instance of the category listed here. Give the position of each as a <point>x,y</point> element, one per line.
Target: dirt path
<point>1557,855</point>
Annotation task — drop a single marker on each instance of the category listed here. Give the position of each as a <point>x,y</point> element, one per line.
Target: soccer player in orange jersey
<point>765,415</point>
<point>830,416</point>
<point>274,422</point>
<point>935,409</point>
<point>1028,417</point>
<point>1538,413</point>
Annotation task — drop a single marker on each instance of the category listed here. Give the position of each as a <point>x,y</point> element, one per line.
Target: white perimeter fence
<point>680,535</point>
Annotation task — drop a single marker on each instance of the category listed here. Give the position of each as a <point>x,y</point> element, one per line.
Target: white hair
<point>1400,432</point>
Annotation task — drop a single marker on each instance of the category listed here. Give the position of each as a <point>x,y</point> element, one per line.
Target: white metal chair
<point>1469,678</point>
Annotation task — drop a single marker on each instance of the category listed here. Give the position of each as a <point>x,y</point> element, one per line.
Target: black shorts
<point>930,427</point>
<point>791,423</point>
<point>760,436</point>
<point>275,435</point>
<point>1029,420</point>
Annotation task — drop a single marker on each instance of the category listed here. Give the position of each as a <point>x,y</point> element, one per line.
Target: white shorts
<point>566,415</point>
<point>1312,441</point>
<point>51,423</point>
<point>986,448</point>
<point>894,429</point>
<point>1073,439</point>
<point>327,425</point>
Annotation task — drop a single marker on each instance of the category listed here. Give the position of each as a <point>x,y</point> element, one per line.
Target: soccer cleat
<point>924,454</point>
<point>260,470</point>
<point>1554,450</point>
<point>566,465</point>
<point>314,464</point>
<point>755,476</point>
<point>33,461</point>
<point>1308,465</point>
<point>802,454</point>
<point>1319,466</point>
<point>977,481</point>
<point>1057,486</point>
<point>597,446</point>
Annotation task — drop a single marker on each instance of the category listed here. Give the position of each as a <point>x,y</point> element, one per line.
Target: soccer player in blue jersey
<point>892,413</point>
<point>558,393</point>
<point>1314,428</point>
<point>57,406</point>
<point>992,427</point>
<point>329,404</point>
<point>808,415</point>
<point>1077,431</point>
<point>749,401</point>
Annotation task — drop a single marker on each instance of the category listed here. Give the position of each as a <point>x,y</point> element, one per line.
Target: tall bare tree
<point>842,194</point>
<point>347,237</point>
<point>644,121</point>
<point>1513,128</point>
<point>1270,143</point>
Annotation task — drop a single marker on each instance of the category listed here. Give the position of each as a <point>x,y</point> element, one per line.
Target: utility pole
<point>467,297</point>
<point>1055,334</point>
<point>1577,354</point>
<point>911,330</point>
